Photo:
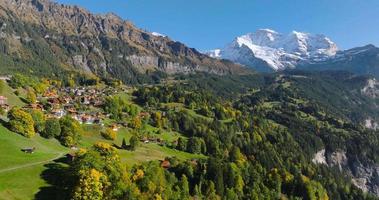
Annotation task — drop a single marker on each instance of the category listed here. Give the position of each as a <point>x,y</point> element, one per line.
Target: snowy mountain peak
<point>275,50</point>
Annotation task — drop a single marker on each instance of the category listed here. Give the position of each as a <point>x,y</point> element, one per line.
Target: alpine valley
<point>92,107</point>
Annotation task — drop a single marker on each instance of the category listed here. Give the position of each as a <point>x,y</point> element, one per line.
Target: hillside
<point>198,130</point>
<point>43,37</point>
<point>360,60</point>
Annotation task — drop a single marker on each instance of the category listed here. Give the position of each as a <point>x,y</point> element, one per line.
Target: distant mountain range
<point>267,50</point>
<point>41,36</point>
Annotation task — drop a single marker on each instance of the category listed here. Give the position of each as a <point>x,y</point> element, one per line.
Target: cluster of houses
<point>83,104</point>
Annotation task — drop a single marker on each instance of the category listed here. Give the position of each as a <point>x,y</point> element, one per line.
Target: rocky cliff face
<point>101,44</point>
<point>371,90</point>
<point>364,175</point>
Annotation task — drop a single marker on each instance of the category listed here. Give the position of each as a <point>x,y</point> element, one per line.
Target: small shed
<point>29,150</point>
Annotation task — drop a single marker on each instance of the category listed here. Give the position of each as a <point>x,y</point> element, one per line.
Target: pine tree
<point>123,145</point>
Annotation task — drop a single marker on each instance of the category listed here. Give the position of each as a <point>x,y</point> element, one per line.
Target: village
<point>85,104</point>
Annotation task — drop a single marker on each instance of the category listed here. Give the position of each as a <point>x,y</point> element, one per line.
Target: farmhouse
<point>3,100</point>
<point>28,150</point>
<point>5,107</point>
<point>165,164</point>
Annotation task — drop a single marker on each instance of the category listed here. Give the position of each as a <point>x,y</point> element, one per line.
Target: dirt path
<point>30,164</point>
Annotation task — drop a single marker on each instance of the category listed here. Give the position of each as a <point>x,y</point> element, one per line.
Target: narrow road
<point>30,164</point>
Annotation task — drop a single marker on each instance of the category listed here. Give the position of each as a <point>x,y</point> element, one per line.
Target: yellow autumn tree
<point>91,185</point>
<point>21,122</point>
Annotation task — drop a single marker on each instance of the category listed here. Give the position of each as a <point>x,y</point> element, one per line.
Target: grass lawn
<point>24,181</point>
<point>190,111</point>
<point>13,100</point>
<point>145,152</point>
<point>21,174</point>
<point>21,184</point>
<point>12,143</point>
<point>149,152</point>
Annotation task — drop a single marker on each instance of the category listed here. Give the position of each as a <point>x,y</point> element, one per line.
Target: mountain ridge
<point>98,44</point>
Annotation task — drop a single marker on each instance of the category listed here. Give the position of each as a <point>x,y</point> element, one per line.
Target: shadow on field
<point>58,177</point>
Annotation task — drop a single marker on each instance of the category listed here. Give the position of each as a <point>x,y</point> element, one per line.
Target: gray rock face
<point>371,89</point>
<point>80,61</point>
<point>371,124</point>
<point>363,175</point>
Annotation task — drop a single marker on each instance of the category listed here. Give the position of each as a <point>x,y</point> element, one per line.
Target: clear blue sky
<point>207,24</point>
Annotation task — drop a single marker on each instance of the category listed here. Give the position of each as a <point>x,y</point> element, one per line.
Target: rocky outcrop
<point>100,44</point>
<point>364,175</point>
<point>320,158</point>
<point>371,124</point>
<point>371,89</point>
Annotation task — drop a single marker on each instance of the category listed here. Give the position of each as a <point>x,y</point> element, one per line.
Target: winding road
<point>30,164</point>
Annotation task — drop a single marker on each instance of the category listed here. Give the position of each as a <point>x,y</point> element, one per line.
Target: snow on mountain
<point>275,50</point>
<point>158,34</point>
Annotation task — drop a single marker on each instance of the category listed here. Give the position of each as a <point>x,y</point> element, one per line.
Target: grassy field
<point>23,183</point>
<point>20,173</point>
<point>13,100</point>
<point>12,143</point>
<point>145,152</point>
<point>23,176</point>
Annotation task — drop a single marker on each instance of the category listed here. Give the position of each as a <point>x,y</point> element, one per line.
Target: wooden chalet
<point>5,107</point>
<point>165,164</point>
<point>34,106</point>
<point>71,156</point>
<point>28,150</point>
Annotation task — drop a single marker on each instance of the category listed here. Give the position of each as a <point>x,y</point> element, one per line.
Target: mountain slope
<point>41,36</point>
<point>360,60</point>
<point>266,48</point>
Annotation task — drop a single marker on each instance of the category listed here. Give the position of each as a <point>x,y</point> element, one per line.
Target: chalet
<point>5,107</point>
<point>114,127</point>
<point>5,78</point>
<point>77,118</point>
<point>89,119</point>
<point>54,101</point>
<point>86,100</point>
<point>79,92</point>
<point>3,100</point>
<point>70,157</point>
<point>34,106</point>
<point>50,94</point>
<point>58,113</point>
<point>92,91</point>
<point>194,162</point>
<point>71,110</point>
<point>144,140</point>
<point>66,99</point>
<point>97,103</point>
<point>143,114</point>
<point>175,143</point>
<point>28,150</point>
<point>165,164</point>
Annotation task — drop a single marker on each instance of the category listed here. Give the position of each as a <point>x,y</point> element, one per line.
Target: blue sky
<point>208,24</point>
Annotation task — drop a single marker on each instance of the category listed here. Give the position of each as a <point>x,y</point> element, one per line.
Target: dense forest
<point>258,135</point>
